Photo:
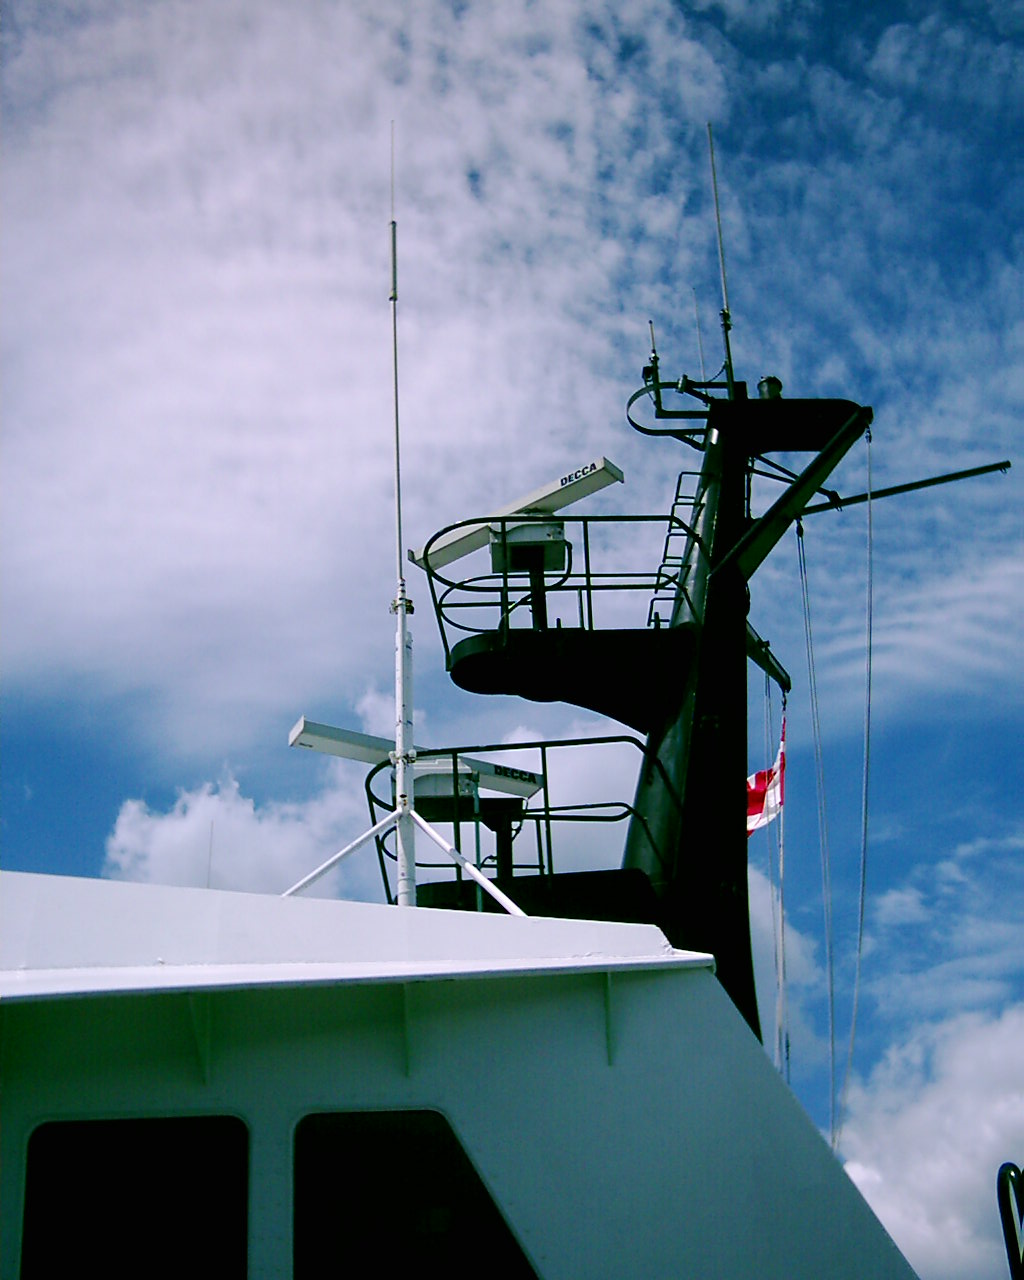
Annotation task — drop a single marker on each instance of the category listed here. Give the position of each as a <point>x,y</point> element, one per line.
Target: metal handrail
<point>542,816</point>
<point>502,593</point>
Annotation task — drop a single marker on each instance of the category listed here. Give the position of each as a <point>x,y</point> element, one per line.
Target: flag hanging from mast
<point>766,790</point>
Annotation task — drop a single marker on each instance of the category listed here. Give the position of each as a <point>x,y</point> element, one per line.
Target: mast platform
<point>632,675</point>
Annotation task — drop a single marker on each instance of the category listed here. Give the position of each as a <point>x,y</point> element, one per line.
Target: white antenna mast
<point>403,818</point>
<point>405,752</point>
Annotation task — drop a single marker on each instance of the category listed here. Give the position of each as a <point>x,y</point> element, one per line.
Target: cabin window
<point>130,1198</point>
<point>396,1186</point>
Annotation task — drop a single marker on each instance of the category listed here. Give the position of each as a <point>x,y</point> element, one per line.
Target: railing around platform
<point>449,792</point>
<point>539,573</point>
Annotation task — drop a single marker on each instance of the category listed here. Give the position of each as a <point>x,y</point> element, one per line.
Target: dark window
<point>155,1197</point>
<point>395,1187</point>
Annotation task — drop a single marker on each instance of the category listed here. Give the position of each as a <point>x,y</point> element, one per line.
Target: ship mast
<point>701,744</point>
<point>684,685</point>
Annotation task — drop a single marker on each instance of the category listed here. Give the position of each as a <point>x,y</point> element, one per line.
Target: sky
<point>197,520</point>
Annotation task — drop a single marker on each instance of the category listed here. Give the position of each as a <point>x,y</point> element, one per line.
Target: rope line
<point>869,627</point>
<point>777,834</point>
<point>770,858</point>
<point>826,860</point>
<point>784,987</point>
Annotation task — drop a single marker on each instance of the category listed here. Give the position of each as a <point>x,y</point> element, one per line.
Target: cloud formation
<point>928,1131</point>
<point>197,371</point>
<point>218,837</point>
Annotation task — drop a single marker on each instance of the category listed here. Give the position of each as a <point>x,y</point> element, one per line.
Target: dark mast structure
<point>696,861</point>
<point>683,683</point>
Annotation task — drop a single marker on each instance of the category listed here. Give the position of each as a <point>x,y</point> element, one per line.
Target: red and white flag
<point>766,790</point>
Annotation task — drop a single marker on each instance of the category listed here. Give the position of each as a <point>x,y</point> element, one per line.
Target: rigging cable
<point>826,867</point>
<point>869,574</point>
<point>770,848</point>
<point>784,998</point>
<point>776,856</point>
<point>783,986</point>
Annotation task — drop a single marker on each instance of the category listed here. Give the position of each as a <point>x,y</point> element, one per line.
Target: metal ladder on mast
<point>673,568</point>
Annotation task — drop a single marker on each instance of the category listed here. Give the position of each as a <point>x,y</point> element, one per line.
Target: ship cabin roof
<point>64,936</point>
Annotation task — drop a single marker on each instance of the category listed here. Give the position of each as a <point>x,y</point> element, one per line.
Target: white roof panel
<point>61,935</point>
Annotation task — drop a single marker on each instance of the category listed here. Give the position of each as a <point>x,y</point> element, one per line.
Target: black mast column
<point>706,902</point>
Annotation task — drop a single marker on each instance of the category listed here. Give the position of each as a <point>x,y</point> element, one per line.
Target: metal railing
<point>518,596</point>
<point>538,813</point>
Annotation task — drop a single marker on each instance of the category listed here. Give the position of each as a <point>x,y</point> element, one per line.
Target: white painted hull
<point>613,1101</point>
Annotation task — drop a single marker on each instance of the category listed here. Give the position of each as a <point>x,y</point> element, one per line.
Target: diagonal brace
<point>487,885</point>
<point>754,547</point>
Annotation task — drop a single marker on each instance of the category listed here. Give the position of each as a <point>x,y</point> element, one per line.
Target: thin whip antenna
<point>394,366</point>
<point>403,819</point>
<point>726,319</point>
<point>404,754</point>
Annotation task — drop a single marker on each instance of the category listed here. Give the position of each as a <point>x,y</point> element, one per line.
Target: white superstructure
<point>617,1109</point>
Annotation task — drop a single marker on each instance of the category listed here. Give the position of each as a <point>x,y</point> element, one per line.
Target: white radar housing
<point>571,487</point>
<point>351,745</point>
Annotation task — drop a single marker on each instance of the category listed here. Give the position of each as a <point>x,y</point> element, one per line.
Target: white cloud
<point>927,1132</point>
<point>944,60</point>
<point>756,15</point>
<point>942,644</point>
<point>377,713</point>
<point>196,374</point>
<point>947,936</point>
<point>1006,842</point>
<point>900,906</point>
<point>197,395</point>
<point>805,978</point>
<point>214,835</point>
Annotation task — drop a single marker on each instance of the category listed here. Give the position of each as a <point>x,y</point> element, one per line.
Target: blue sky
<point>197,525</point>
